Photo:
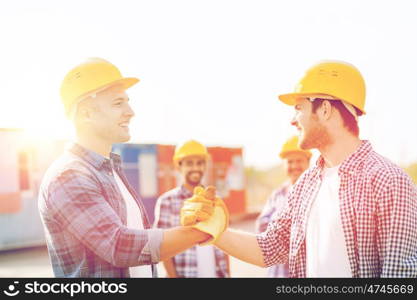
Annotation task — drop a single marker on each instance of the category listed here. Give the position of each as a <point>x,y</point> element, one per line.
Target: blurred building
<point>148,167</point>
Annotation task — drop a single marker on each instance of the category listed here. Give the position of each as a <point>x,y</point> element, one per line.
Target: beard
<point>193,180</point>
<point>315,137</point>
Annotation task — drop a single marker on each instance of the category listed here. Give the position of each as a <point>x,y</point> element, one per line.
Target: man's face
<point>192,169</point>
<point>110,114</point>
<point>296,163</point>
<point>312,132</point>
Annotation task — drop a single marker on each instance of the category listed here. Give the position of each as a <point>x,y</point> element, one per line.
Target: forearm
<point>179,239</point>
<point>169,267</point>
<point>241,245</point>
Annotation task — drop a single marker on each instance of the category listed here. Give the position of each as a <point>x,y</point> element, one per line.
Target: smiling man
<point>353,213</point>
<point>190,159</point>
<point>95,223</point>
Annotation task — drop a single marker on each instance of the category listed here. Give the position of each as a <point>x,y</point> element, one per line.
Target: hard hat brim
<point>177,159</point>
<point>306,153</point>
<point>124,82</point>
<point>290,98</point>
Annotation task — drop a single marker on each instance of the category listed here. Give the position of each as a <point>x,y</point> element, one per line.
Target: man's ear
<point>86,109</point>
<point>84,114</point>
<point>326,109</point>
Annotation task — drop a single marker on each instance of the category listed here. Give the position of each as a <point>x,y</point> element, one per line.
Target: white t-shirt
<point>325,242</point>
<point>206,262</point>
<point>134,221</point>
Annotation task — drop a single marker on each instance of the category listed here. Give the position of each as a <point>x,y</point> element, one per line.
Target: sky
<point>212,70</point>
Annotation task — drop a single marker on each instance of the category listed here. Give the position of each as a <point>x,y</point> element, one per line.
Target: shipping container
<point>226,172</point>
<point>145,163</point>
<point>140,166</point>
<point>22,165</point>
<point>148,167</point>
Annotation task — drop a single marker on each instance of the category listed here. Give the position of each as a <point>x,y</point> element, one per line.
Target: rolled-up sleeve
<point>274,242</point>
<point>153,246</point>
<point>76,203</point>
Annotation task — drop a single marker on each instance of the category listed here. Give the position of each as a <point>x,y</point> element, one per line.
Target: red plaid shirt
<point>378,206</point>
<point>167,215</point>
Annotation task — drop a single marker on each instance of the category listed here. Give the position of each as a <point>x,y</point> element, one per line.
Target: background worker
<point>353,213</point>
<point>95,223</point>
<point>190,159</point>
<point>296,162</point>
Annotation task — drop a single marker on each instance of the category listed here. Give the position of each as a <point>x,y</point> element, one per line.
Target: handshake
<point>205,212</point>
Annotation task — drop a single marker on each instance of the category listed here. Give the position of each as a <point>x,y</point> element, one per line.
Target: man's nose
<point>195,167</point>
<point>129,111</point>
<point>293,121</point>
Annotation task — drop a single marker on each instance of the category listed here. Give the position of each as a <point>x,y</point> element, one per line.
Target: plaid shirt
<point>378,206</point>
<point>167,215</point>
<point>275,204</point>
<point>84,216</point>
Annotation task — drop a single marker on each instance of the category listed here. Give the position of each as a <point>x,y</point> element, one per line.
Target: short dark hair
<point>349,120</point>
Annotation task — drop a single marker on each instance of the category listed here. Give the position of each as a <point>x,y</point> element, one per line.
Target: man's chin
<point>305,144</point>
<point>194,182</point>
<point>122,139</point>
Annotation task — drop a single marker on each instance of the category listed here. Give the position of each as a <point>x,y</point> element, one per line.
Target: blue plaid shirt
<point>167,215</point>
<point>274,206</point>
<point>85,219</point>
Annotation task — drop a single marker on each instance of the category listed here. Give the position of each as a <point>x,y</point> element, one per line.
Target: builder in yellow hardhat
<point>353,213</point>
<point>190,159</point>
<point>95,224</point>
<point>296,162</point>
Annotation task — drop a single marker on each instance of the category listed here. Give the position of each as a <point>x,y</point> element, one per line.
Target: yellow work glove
<point>205,212</point>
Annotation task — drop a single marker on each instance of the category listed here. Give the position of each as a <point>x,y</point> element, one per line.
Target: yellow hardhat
<point>290,146</point>
<point>338,79</point>
<point>189,148</point>
<point>91,76</point>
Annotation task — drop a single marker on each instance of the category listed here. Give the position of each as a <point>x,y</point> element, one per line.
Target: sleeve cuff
<point>263,245</point>
<point>153,245</point>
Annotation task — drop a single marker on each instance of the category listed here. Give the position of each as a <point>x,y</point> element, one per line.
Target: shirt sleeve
<point>397,216</point>
<point>274,242</point>
<point>163,213</point>
<point>77,204</point>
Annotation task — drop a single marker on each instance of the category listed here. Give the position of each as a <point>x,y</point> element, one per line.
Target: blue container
<point>140,164</point>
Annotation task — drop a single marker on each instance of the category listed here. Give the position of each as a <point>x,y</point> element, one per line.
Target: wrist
<point>197,236</point>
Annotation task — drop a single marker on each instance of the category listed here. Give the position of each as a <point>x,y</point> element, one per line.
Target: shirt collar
<point>95,159</point>
<point>350,164</point>
<point>116,161</point>
<point>185,192</point>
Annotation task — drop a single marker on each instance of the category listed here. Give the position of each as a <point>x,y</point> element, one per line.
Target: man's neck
<point>94,144</point>
<point>339,149</point>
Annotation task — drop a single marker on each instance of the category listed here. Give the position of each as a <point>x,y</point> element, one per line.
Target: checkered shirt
<point>275,205</point>
<point>378,206</point>
<point>85,219</point>
<point>167,215</point>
